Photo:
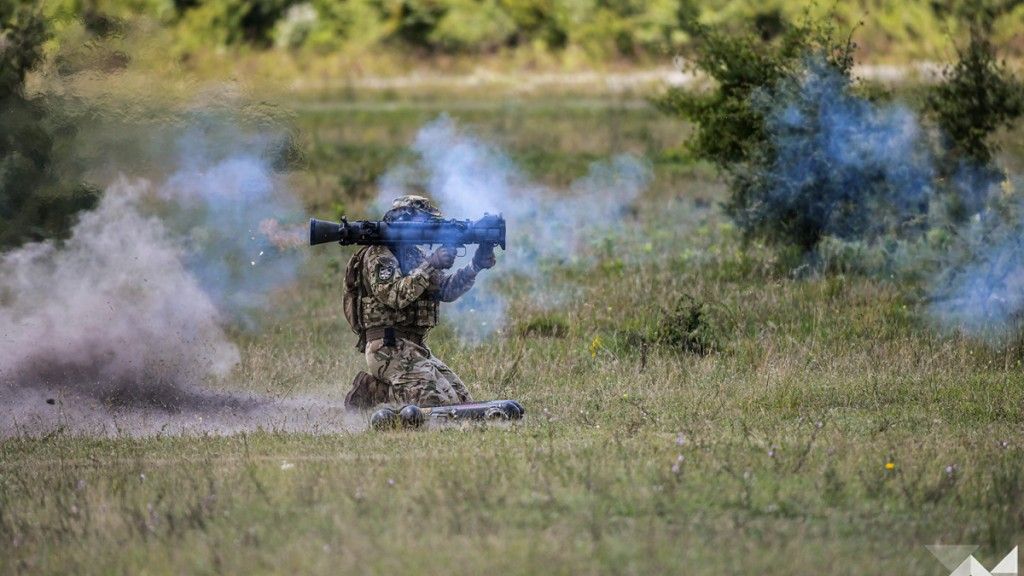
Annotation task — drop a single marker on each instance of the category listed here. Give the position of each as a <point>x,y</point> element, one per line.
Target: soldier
<point>399,289</point>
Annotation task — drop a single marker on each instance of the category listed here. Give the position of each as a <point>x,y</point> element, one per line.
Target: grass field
<point>832,430</point>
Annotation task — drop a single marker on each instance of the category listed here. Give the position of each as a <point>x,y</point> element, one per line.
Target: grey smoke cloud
<point>122,328</point>
<point>115,306</point>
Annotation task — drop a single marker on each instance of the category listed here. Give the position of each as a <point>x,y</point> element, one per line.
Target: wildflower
<point>771,452</point>
<point>680,439</point>
<point>677,466</point>
<point>595,345</point>
<point>286,465</point>
<point>890,466</point>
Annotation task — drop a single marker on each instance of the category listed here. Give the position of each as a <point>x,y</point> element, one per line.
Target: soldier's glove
<point>484,257</point>
<point>443,258</point>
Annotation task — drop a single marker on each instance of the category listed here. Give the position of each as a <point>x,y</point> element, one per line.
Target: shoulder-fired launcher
<point>489,230</point>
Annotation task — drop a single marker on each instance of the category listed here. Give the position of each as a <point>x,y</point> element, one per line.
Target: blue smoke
<point>845,166</point>
<point>469,176</point>
<point>219,202</point>
<point>864,172</point>
<point>980,288</point>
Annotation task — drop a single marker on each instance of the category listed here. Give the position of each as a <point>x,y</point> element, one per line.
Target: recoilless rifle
<point>488,231</point>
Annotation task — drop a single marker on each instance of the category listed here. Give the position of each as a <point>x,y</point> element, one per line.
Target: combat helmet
<point>411,207</point>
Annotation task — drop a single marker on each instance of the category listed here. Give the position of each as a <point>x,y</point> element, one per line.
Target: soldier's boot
<point>367,391</point>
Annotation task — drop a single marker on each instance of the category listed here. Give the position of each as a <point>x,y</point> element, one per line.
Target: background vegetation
<point>708,398</point>
<point>39,187</point>
<point>594,31</point>
<point>794,101</point>
<point>830,428</point>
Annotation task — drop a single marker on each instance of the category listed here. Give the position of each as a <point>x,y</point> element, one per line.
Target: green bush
<point>691,326</point>
<point>231,22</point>
<point>808,155</point>
<point>543,21</point>
<point>977,97</point>
<point>39,193</point>
<point>472,26</point>
<point>345,25</point>
<point>544,326</point>
<point>731,123</point>
<point>729,127</point>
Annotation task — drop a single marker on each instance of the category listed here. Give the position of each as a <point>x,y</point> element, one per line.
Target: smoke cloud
<point>980,289</point>
<point>121,328</point>
<point>469,177</point>
<point>851,168</point>
<point>865,172</point>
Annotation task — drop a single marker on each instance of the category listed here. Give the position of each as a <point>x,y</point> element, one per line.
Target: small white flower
<point>677,466</point>
<point>286,465</point>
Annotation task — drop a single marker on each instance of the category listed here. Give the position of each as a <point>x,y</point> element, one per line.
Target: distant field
<point>830,431</point>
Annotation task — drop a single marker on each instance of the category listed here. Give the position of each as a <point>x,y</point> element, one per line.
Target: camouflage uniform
<point>402,290</point>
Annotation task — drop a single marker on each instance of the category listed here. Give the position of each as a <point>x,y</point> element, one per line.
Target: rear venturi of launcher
<point>489,230</point>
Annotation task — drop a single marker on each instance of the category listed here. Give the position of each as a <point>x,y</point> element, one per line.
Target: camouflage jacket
<point>404,290</point>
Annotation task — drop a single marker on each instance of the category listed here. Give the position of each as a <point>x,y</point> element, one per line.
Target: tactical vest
<point>419,316</point>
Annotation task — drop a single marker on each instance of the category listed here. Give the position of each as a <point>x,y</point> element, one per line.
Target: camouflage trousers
<point>414,375</point>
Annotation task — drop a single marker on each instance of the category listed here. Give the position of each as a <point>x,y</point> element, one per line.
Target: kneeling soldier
<point>397,296</point>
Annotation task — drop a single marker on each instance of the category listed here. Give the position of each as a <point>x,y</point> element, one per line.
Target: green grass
<point>767,456</point>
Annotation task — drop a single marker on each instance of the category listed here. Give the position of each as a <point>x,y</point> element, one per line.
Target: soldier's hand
<point>484,257</point>
<point>443,258</point>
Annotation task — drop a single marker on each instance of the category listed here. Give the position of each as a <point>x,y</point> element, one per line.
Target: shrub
<point>807,155</point>
<point>541,20</point>
<point>472,26</point>
<point>545,326</point>
<point>339,25</point>
<point>729,127</point>
<point>738,125</point>
<point>979,94</point>
<point>39,196</point>
<point>691,326</point>
<point>231,22</point>
<point>835,164</point>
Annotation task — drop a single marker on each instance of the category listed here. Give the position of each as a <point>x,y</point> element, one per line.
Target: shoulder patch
<point>385,271</point>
